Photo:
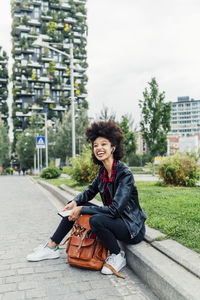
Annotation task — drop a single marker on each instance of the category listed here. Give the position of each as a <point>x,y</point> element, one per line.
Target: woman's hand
<point>75,213</point>
<point>70,205</point>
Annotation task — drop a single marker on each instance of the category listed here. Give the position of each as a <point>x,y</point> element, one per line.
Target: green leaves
<point>25,148</point>
<point>156,115</point>
<point>130,139</point>
<point>179,170</point>
<point>4,146</point>
<point>51,172</point>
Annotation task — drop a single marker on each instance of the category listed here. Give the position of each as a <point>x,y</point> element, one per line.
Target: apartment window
<point>58,94</point>
<point>37,93</point>
<point>45,6</point>
<point>38,72</point>
<point>36,13</point>
<point>60,58</point>
<point>47,86</point>
<point>37,51</point>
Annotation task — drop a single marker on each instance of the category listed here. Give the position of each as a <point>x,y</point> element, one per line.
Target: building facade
<point>185,117</point>
<point>141,144</point>
<point>3,86</point>
<point>41,77</point>
<point>185,126</point>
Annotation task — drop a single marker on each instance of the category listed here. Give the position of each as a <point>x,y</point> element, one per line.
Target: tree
<point>26,141</point>
<point>25,148</point>
<point>4,146</point>
<point>156,116</point>
<point>129,140</point>
<point>60,137</point>
<point>105,115</point>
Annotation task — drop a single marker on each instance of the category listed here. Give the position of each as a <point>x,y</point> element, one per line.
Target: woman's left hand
<point>75,213</point>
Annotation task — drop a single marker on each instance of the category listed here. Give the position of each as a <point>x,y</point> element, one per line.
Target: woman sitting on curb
<point>121,218</point>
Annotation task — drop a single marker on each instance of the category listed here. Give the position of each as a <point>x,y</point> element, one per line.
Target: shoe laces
<point>111,258</point>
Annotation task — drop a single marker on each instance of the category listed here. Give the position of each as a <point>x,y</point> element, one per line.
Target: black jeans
<point>108,229</point>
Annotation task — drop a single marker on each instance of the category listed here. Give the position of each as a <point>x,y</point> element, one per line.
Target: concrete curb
<point>171,270</point>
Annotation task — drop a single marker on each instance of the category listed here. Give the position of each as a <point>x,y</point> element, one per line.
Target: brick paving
<point>28,217</point>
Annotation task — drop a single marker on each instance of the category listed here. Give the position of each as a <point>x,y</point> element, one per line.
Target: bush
<point>8,170</point>
<point>51,172</point>
<point>139,160</point>
<point>84,170</point>
<point>179,171</point>
<point>67,170</point>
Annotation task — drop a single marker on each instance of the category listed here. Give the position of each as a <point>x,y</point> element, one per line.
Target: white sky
<point>130,42</point>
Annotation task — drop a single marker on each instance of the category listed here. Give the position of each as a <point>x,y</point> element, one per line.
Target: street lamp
<point>41,43</point>
<point>46,137</point>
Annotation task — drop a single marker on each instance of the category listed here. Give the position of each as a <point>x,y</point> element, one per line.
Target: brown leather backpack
<point>84,249</point>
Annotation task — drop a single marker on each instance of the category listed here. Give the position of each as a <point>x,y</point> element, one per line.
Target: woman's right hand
<point>70,205</point>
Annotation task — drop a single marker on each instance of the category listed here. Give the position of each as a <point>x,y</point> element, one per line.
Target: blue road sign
<point>40,142</point>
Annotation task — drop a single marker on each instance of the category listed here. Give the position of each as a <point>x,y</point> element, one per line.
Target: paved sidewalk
<point>28,216</point>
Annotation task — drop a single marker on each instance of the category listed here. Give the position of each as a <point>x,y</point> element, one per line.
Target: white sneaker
<point>38,247</point>
<point>42,253</point>
<point>116,261</point>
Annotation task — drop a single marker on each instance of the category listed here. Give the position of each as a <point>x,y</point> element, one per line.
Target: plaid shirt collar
<point>104,175</point>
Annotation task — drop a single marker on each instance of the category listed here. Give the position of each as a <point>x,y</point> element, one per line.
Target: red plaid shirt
<point>105,179</point>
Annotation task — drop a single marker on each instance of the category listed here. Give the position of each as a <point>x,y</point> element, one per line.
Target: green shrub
<point>139,160</point>
<point>8,170</point>
<point>67,170</point>
<point>51,172</point>
<point>84,170</point>
<point>179,171</point>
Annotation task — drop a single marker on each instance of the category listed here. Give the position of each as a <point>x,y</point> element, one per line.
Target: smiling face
<point>102,149</point>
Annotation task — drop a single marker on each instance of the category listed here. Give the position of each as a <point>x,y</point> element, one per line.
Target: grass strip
<point>173,211</point>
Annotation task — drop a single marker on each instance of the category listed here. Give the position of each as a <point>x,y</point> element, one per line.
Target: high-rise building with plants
<point>41,77</point>
<point>3,86</point>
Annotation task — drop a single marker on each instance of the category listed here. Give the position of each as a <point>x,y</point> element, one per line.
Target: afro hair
<point>109,130</point>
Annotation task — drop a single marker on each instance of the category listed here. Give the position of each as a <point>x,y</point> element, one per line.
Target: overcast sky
<point>130,42</point>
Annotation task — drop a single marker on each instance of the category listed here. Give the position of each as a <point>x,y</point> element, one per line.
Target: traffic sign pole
<point>46,140</point>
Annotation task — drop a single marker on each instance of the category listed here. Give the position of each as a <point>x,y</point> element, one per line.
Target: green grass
<point>174,211</point>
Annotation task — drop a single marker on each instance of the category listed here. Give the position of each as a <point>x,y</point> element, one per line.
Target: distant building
<point>185,117</point>
<point>3,86</point>
<point>189,144</point>
<point>141,144</point>
<point>173,145</point>
<point>185,126</point>
<point>41,77</point>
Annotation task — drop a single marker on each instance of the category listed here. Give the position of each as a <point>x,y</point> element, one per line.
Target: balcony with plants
<point>60,24</point>
<point>36,2</point>
<point>3,85</point>
<point>54,3</point>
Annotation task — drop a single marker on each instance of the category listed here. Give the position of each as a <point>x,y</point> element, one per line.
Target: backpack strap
<point>114,271</point>
<point>82,239</point>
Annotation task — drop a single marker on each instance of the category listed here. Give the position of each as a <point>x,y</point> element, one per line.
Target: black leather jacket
<point>124,196</point>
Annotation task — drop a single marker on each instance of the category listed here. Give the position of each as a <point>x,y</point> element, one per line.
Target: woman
<point>121,218</point>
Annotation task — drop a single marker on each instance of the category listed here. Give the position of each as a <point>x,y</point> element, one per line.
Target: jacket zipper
<point>128,228</point>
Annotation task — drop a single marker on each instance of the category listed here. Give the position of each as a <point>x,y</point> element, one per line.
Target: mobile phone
<point>64,213</point>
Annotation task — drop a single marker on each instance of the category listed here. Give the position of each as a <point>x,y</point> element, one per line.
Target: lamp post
<point>41,43</point>
<point>46,138</point>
